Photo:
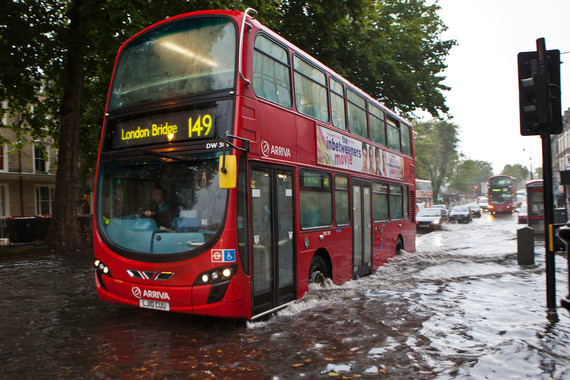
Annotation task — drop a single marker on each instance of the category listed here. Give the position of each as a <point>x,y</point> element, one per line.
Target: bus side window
<point>315,199</point>
<point>380,201</point>
<point>337,104</point>
<point>357,114</point>
<point>406,139</point>
<point>341,200</point>
<point>271,79</point>
<point>377,127</point>
<point>310,90</point>
<point>396,202</point>
<point>394,136</point>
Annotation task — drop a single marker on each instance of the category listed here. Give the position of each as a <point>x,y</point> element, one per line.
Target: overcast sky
<point>482,72</point>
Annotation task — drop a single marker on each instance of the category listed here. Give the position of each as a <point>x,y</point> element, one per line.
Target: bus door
<point>362,228</point>
<point>273,237</point>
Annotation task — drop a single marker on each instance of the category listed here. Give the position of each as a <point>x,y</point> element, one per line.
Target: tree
<point>58,56</point>
<point>436,151</point>
<point>53,53</point>
<point>469,175</point>
<point>518,171</point>
<point>392,49</point>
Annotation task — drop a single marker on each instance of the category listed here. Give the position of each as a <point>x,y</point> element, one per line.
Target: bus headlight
<point>216,275</point>
<point>101,268</point>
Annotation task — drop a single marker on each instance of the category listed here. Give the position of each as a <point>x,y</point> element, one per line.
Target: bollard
<point>525,246</point>
<point>564,234</point>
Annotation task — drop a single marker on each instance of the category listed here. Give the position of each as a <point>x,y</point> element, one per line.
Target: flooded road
<point>460,307</point>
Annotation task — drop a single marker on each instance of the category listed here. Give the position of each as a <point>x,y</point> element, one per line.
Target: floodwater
<point>460,307</point>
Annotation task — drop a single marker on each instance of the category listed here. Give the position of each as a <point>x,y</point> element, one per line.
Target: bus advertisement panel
<point>340,151</point>
<point>225,188</point>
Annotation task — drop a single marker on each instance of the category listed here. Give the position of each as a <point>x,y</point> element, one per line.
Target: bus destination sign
<point>179,126</point>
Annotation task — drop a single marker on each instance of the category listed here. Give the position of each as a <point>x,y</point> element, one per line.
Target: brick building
<point>561,158</point>
<point>27,176</point>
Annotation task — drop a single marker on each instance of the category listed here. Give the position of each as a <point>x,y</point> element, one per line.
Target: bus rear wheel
<point>318,273</point>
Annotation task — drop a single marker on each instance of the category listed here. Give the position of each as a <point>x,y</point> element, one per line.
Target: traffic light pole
<point>548,220</point>
<point>547,187</point>
<point>541,114</point>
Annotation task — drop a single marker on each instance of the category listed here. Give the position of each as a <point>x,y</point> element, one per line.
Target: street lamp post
<point>530,160</point>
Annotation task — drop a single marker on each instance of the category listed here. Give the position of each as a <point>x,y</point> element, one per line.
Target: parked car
<point>475,210</point>
<point>442,207</point>
<point>483,202</point>
<point>460,214</point>
<point>430,218</point>
<point>419,206</point>
<point>520,200</point>
<point>523,215</point>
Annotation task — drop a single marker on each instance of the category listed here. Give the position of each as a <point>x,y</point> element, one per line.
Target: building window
<point>4,201</point>
<point>3,158</point>
<point>4,210</point>
<point>5,112</point>
<point>40,159</point>
<point>44,200</point>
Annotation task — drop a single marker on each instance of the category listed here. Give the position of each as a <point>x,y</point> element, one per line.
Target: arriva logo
<point>137,292</point>
<point>274,150</point>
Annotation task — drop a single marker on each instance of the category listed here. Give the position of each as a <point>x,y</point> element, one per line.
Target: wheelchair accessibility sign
<point>223,255</point>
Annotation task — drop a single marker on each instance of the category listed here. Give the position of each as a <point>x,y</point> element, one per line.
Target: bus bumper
<point>222,299</point>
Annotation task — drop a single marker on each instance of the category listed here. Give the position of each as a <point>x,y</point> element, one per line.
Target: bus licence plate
<point>156,305</point>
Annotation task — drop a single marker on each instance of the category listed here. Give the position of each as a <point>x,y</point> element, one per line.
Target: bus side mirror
<point>228,172</point>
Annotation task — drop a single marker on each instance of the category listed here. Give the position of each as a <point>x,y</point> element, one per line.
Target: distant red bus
<point>424,192</point>
<point>501,194</point>
<point>234,169</point>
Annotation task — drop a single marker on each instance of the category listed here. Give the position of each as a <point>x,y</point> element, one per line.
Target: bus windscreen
<point>178,59</point>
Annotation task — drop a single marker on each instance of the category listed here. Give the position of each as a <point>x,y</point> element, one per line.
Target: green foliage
<point>34,39</point>
<point>58,56</point>
<point>436,151</point>
<point>469,175</point>
<point>392,49</point>
<point>520,172</point>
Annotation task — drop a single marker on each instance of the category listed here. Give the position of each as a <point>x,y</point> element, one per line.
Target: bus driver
<point>160,210</point>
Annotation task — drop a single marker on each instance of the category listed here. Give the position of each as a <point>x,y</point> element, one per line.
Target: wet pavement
<point>460,307</point>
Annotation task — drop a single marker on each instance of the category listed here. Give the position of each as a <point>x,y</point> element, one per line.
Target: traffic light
<point>539,92</point>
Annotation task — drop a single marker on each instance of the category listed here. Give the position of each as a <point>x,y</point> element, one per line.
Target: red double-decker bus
<point>234,169</point>
<point>501,194</point>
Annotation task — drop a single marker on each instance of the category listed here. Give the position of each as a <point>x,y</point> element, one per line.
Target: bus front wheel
<point>318,273</point>
<point>399,246</point>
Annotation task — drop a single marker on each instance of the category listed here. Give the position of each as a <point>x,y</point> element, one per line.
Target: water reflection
<point>459,307</point>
